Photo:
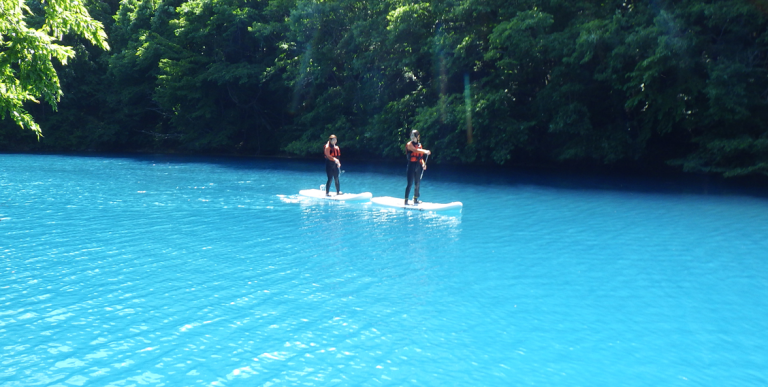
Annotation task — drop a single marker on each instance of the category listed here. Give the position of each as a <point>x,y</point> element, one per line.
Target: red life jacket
<point>334,150</point>
<point>415,157</point>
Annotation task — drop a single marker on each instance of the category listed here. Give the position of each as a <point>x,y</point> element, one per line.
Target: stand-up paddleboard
<point>389,201</point>
<point>345,197</point>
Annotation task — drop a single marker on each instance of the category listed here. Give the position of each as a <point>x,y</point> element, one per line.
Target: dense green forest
<point>538,82</point>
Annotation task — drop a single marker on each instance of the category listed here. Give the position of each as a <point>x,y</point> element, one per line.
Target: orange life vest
<point>415,157</point>
<point>334,150</point>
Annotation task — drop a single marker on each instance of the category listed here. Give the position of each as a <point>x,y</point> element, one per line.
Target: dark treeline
<point>622,82</point>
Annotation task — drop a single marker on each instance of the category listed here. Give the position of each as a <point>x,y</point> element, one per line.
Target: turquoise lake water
<point>171,271</point>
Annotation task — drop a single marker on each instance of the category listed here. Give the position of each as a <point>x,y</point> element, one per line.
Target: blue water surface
<point>172,271</point>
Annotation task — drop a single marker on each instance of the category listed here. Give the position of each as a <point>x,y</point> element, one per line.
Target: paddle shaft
<point>422,169</point>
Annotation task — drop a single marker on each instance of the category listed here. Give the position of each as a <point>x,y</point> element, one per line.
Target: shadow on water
<point>663,182</point>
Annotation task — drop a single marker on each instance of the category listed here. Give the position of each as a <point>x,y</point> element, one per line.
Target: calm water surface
<point>165,271</point>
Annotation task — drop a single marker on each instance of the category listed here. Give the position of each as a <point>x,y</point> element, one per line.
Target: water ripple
<point>157,271</point>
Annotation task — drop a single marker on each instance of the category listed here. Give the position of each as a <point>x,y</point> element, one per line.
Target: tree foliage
<point>29,41</point>
<point>617,82</point>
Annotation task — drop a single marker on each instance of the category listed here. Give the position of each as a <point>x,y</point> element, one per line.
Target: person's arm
<point>411,148</point>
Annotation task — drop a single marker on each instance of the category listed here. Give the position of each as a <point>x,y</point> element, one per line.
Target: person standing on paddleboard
<point>332,164</point>
<point>416,165</point>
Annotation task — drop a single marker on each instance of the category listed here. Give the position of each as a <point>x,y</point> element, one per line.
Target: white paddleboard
<point>346,197</point>
<point>389,201</point>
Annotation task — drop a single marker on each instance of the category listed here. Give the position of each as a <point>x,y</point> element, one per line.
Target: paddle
<point>425,164</point>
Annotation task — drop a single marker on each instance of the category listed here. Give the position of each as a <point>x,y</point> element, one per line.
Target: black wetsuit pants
<point>414,179</point>
<point>333,174</point>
